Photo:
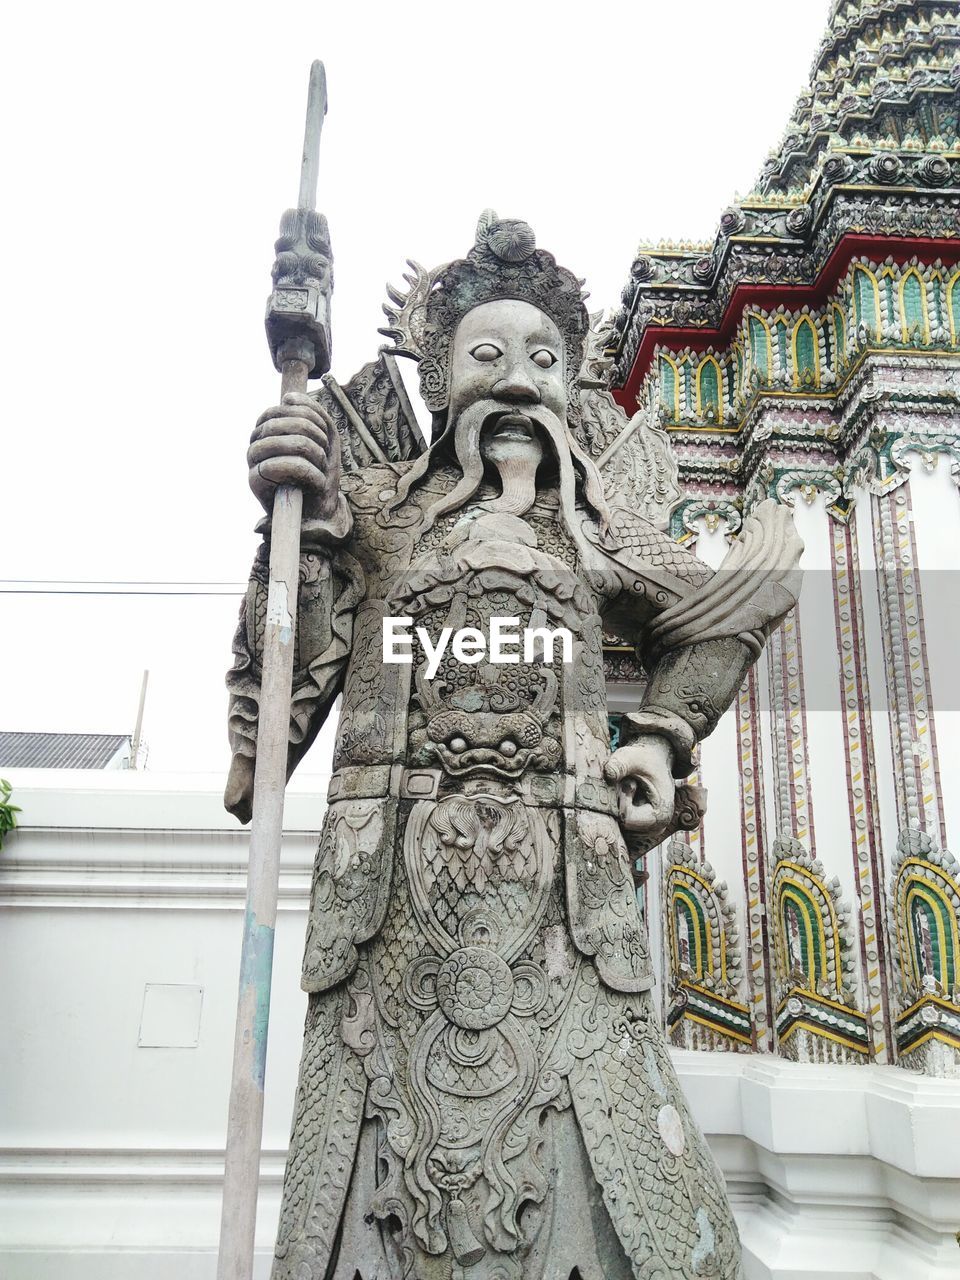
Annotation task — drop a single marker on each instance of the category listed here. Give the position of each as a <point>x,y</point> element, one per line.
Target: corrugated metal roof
<point>59,750</point>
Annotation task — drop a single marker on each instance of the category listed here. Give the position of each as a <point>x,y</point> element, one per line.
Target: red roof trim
<point>746,295</point>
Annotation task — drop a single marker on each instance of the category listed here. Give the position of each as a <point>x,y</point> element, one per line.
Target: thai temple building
<point>810,353</point>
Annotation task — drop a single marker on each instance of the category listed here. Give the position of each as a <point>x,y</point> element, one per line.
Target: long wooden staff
<point>299,334</point>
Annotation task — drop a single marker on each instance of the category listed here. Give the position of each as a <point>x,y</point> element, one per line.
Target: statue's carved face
<point>509,354</point>
<point>507,413</point>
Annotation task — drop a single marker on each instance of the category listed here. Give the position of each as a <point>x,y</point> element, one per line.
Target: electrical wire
<point>107,587</point>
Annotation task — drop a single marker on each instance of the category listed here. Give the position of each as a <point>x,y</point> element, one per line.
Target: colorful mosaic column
<point>702,955</point>
<point>753,844</point>
<point>925,882</point>
<point>861,780</point>
<point>816,1015</point>
<point>702,945</point>
<point>911,702</point>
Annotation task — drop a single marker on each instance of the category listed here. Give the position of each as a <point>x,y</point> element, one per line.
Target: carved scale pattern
<point>656,549</point>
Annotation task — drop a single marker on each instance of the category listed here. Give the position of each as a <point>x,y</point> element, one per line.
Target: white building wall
<point>877,681</point>
<point>826,752</point>
<point>719,760</point>
<point>936,527</point>
<point>827,761</point>
<point>111,1152</point>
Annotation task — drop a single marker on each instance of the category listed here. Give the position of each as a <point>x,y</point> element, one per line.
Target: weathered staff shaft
<point>298,332</point>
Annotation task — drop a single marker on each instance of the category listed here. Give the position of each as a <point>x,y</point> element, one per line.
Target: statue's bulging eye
<point>544,358</point>
<point>508,747</point>
<point>486,352</point>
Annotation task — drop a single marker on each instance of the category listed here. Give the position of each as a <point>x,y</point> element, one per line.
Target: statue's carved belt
<point>545,790</point>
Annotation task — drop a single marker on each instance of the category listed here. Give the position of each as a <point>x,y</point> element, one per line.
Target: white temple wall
<point>111,1152</point>
<point>936,525</point>
<point>827,765</point>
<point>719,760</point>
<point>876,681</point>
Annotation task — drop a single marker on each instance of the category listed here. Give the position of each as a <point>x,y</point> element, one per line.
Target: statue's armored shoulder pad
<point>641,545</point>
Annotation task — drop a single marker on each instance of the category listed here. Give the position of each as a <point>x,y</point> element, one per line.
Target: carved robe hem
<point>323,1144</point>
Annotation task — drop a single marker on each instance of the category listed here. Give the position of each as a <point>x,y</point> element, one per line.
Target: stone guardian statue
<point>485,1092</point>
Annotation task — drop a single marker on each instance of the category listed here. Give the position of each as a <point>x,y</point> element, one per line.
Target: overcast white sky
<point>149,153</point>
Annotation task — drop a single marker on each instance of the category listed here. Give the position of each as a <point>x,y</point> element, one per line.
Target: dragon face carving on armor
<point>491,725</point>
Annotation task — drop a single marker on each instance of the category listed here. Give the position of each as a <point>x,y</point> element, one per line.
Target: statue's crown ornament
<point>503,263</point>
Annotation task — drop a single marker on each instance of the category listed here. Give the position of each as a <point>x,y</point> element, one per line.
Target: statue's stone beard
<point>515,460</point>
<point>518,476</point>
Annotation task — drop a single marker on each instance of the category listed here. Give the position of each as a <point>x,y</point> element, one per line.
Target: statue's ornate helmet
<point>503,263</point>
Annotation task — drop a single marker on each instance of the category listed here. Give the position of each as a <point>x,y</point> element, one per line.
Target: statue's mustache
<point>466,430</point>
<point>495,413</point>
<point>483,417</point>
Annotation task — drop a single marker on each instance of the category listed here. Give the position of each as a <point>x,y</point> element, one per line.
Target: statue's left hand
<point>643,772</point>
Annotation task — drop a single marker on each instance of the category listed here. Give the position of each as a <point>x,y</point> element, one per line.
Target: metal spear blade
<point>316,110</point>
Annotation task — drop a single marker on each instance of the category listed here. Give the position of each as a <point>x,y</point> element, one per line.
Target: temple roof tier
<point>869,165</point>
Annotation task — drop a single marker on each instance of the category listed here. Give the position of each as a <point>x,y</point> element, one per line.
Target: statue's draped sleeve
<point>697,631</point>
<point>331,586</point>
